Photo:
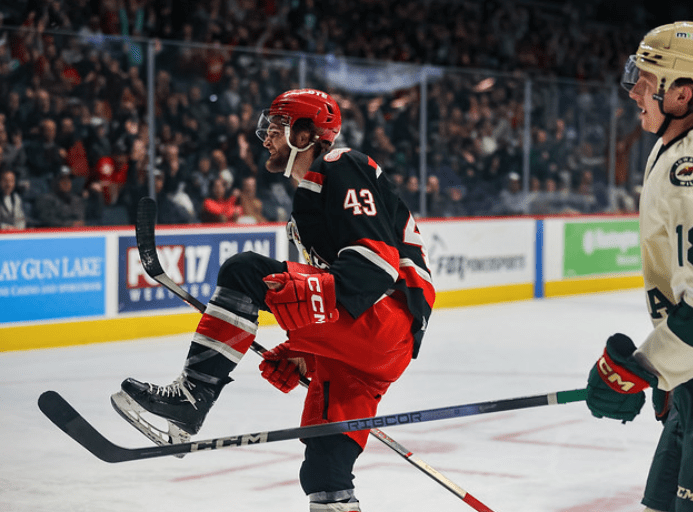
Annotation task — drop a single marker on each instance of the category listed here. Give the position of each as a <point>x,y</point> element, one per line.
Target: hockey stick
<point>146,244</point>
<point>65,417</point>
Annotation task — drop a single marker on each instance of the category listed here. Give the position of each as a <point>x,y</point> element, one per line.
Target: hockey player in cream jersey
<point>659,78</point>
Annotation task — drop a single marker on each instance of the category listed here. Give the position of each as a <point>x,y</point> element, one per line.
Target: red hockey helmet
<point>316,105</point>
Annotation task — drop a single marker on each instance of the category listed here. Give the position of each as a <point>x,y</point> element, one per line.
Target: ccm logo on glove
<point>316,300</point>
<point>298,299</point>
<point>621,381</point>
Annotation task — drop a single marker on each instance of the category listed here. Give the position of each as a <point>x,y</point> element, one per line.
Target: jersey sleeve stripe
<point>378,170</point>
<point>308,185</point>
<point>382,249</point>
<point>423,274</point>
<point>416,277</point>
<point>312,181</point>
<point>374,258</point>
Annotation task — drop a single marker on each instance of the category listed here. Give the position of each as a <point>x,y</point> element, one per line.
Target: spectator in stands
<point>221,206</point>
<point>11,206</point>
<point>455,205</point>
<point>586,192</point>
<point>94,203</point>
<point>250,203</point>
<point>172,167</point>
<point>245,159</point>
<point>38,112</point>
<point>104,78</point>
<point>410,194</point>
<point>547,201</point>
<point>436,202</point>
<point>169,212</point>
<point>15,155</point>
<point>198,108</point>
<point>137,183</point>
<point>199,184</point>
<point>70,142</point>
<point>98,142</point>
<point>221,168</point>
<point>14,112</point>
<point>44,155</point>
<point>512,200</point>
<point>540,157</point>
<point>128,128</point>
<point>108,179</point>
<point>61,207</point>
<point>353,124</point>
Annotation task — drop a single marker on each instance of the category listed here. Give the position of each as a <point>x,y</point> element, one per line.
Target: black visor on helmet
<point>631,73</point>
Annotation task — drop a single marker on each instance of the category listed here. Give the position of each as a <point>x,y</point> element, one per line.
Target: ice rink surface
<point>548,459</point>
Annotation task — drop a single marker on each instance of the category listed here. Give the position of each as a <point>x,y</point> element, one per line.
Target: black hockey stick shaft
<point>145,231</point>
<point>146,245</point>
<point>65,417</point>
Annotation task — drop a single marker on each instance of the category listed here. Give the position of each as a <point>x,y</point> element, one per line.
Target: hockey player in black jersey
<point>354,314</point>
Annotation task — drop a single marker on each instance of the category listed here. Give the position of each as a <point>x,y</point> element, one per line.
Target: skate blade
<point>132,412</point>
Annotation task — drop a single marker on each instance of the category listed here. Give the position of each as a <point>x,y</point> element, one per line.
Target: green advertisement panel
<point>601,248</point>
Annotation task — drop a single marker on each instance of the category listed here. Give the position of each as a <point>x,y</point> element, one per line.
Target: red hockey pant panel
<point>356,361</point>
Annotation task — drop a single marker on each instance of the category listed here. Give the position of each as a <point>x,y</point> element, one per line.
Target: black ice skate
<point>184,404</point>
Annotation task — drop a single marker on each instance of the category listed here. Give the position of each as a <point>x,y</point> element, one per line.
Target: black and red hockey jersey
<point>348,218</point>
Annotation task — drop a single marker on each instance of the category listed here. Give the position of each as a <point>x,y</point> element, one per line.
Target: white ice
<point>548,459</point>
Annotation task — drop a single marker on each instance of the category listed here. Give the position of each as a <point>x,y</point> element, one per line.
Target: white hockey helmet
<point>666,52</point>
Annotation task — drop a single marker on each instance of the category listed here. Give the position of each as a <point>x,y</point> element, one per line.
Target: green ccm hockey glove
<point>616,382</point>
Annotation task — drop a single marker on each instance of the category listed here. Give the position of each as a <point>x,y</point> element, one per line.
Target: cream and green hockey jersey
<point>666,239</point>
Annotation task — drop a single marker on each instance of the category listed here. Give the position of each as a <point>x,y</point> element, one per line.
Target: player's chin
<point>273,169</point>
<point>275,165</point>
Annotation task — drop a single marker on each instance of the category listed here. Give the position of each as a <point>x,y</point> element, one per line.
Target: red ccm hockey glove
<point>283,367</point>
<point>298,300</point>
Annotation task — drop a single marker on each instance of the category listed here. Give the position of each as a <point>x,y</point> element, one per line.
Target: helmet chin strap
<point>668,117</point>
<point>294,151</point>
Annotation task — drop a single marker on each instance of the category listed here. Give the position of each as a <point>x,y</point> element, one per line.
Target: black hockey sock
<point>207,365</point>
<point>225,332</point>
<point>235,302</point>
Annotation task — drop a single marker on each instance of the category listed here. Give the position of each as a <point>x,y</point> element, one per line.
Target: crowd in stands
<point>74,135</point>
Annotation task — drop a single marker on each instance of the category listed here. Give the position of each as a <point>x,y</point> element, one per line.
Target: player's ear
<point>688,92</point>
<point>684,94</point>
<point>301,138</point>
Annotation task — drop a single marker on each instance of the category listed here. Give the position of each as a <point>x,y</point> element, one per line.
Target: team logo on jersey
<point>312,258</point>
<point>334,155</point>
<point>681,173</point>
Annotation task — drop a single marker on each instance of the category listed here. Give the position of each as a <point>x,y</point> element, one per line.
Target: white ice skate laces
<point>179,387</point>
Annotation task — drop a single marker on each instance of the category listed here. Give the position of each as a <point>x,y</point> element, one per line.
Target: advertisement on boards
<point>191,261</point>
<point>479,254</point>
<point>52,278</point>
<point>602,247</point>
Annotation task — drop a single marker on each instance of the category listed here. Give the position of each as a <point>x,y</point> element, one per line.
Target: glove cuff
<point>619,370</point>
<point>619,378</point>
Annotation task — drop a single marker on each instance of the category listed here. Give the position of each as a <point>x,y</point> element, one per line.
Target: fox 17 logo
<point>681,173</point>
<point>182,264</point>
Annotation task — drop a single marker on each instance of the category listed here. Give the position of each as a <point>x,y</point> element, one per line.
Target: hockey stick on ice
<point>146,244</point>
<point>65,417</point>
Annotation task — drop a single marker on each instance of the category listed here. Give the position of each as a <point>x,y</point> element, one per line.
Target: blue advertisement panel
<point>191,261</point>
<point>51,278</point>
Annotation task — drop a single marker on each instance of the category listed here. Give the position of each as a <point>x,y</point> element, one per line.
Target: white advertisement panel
<point>480,253</point>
